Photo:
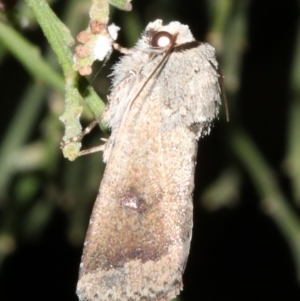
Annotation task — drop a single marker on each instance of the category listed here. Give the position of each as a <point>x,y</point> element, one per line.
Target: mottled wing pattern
<point>140,230</point>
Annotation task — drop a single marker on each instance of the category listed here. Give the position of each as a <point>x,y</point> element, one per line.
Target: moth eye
<point>161,39</point>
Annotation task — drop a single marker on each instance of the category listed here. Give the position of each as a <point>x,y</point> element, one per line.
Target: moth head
<point>159,37</point>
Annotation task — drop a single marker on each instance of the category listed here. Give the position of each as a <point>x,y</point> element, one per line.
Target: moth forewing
<point>140,230</point>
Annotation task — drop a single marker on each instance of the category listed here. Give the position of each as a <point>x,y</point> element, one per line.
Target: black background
<point>236,253</point>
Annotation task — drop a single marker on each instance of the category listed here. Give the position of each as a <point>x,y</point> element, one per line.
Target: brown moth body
<point>164,98</point>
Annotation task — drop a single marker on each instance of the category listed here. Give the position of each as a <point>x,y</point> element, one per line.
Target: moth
<point>165,95</point>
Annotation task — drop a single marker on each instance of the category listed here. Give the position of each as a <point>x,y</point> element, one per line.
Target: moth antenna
<point>97,73</point>
<point>223,92</point>
<point>161,63</point>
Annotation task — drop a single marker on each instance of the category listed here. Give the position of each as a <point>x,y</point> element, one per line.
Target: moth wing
<point>139,236</point>
<point>193,77</point>
<point>138,240</point>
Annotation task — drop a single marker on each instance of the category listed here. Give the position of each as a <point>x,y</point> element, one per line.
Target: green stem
<point>26,53</point>
<point>292,160</point>
<point>18,131</point>
<point>60,39</point>
<point>273,200</point>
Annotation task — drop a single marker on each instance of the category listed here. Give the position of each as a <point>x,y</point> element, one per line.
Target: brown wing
<point>140,230</point>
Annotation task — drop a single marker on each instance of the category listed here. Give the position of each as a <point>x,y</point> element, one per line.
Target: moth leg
<point>80,136</point>
<point>95,149</point>
<point>122,49</point>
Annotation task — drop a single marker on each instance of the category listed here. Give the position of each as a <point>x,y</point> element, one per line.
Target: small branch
<point>60,40</point>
